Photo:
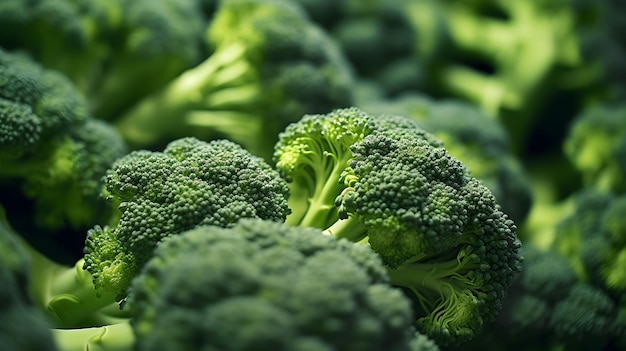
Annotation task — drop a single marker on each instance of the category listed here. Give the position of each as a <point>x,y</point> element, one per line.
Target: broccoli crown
<point>266,285</point>
<point>550,305</point>
<point>160,194</point>
<point>51,147</point>
<point>597,148</point>
<point>22,327</point>
<point>439,231</point>
<point>479,141</point>
<point>36,104</point>
<point>268,63</point>
<point>593,238</point>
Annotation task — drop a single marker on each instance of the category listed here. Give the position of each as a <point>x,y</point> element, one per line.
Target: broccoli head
<point>268,63</point>
<point>159,194</point>
<point>479,141</point>
<point>266,285</point>
<point>53,152</point>
<point>385,181</point>
<point>111,49</point>
<point>551,307</point>
<point>596,146</point>
<point>593,238</point>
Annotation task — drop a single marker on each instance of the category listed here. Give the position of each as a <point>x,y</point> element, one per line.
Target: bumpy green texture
<point>550,307</point>
<point>593,238</point>
<point>479,141</point>
<point>386,181</point>
<point>269,65</point>
<point>159,194</point>
<point>109,48</point>
<point>596,145</point>
<point>51,147</point>
<point>262,285</point>
<point>22,326</point>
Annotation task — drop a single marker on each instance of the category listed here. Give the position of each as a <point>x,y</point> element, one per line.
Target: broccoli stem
<point>321,210</point>
<point>67,296</point>
<point>441,278</point>
<point>350,229</point>
<point>114,337</point>
<point>225,81</point>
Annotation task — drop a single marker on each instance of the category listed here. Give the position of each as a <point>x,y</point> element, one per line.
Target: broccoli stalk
<point>112,337</point>
<point>203,97</point>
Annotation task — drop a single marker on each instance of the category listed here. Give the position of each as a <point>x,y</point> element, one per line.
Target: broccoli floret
<point>389,183</point>
<point>268,64</point>
<point>550,307</point>
<point>22,326</point>
<point>111,49</point>
<point>266,285</point>
<point>160,194</point>
<point>596,145</point>
<point>592,238</point>
<point>53,153</point>
<point>479,141</point>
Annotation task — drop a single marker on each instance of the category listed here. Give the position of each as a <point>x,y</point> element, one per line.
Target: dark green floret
<point>262,285</point>
<point>387,182</point>
<point>51,148</point>
<point>160,194</point>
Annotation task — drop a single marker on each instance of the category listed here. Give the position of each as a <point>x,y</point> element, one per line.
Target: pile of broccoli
<point>358,175</point>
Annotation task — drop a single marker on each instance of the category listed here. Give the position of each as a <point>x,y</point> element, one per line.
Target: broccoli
<point>53,152</point>
<point>385,181</point>
<point>266,285</point>
<point>596,146</point>
<point>268,65</point>
<point>479,141</point>
<point>160,194</point>
<point>599,27</point>
<point>110,49</point>
<point>22,326</point>
<point>551,308</point>
<point>593,238</point>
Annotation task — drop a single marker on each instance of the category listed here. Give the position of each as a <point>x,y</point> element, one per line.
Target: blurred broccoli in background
<point>53,154</point>
<point>596,146</point>
<point>269,65</point>
<point>110,49</point>
<point>22,326</point>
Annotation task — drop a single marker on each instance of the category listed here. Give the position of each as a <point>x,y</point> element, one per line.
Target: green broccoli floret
<point>593,238</point>
<point>262,285</point>
<point>160,194</point>
<point>479,141</point>
<point>53,153</point>
<point>596,145</point>
<point>268,64</point>
<point>386,181</point>
<point>115,51</point>
<point>22,326</point>
<point>549,307</point>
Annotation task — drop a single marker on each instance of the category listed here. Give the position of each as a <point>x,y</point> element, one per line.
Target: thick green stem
<point>115,337</point>
<point>67,295</point>
<point>350,229</point>
<point>222,81</point>
<point>322,211</point>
